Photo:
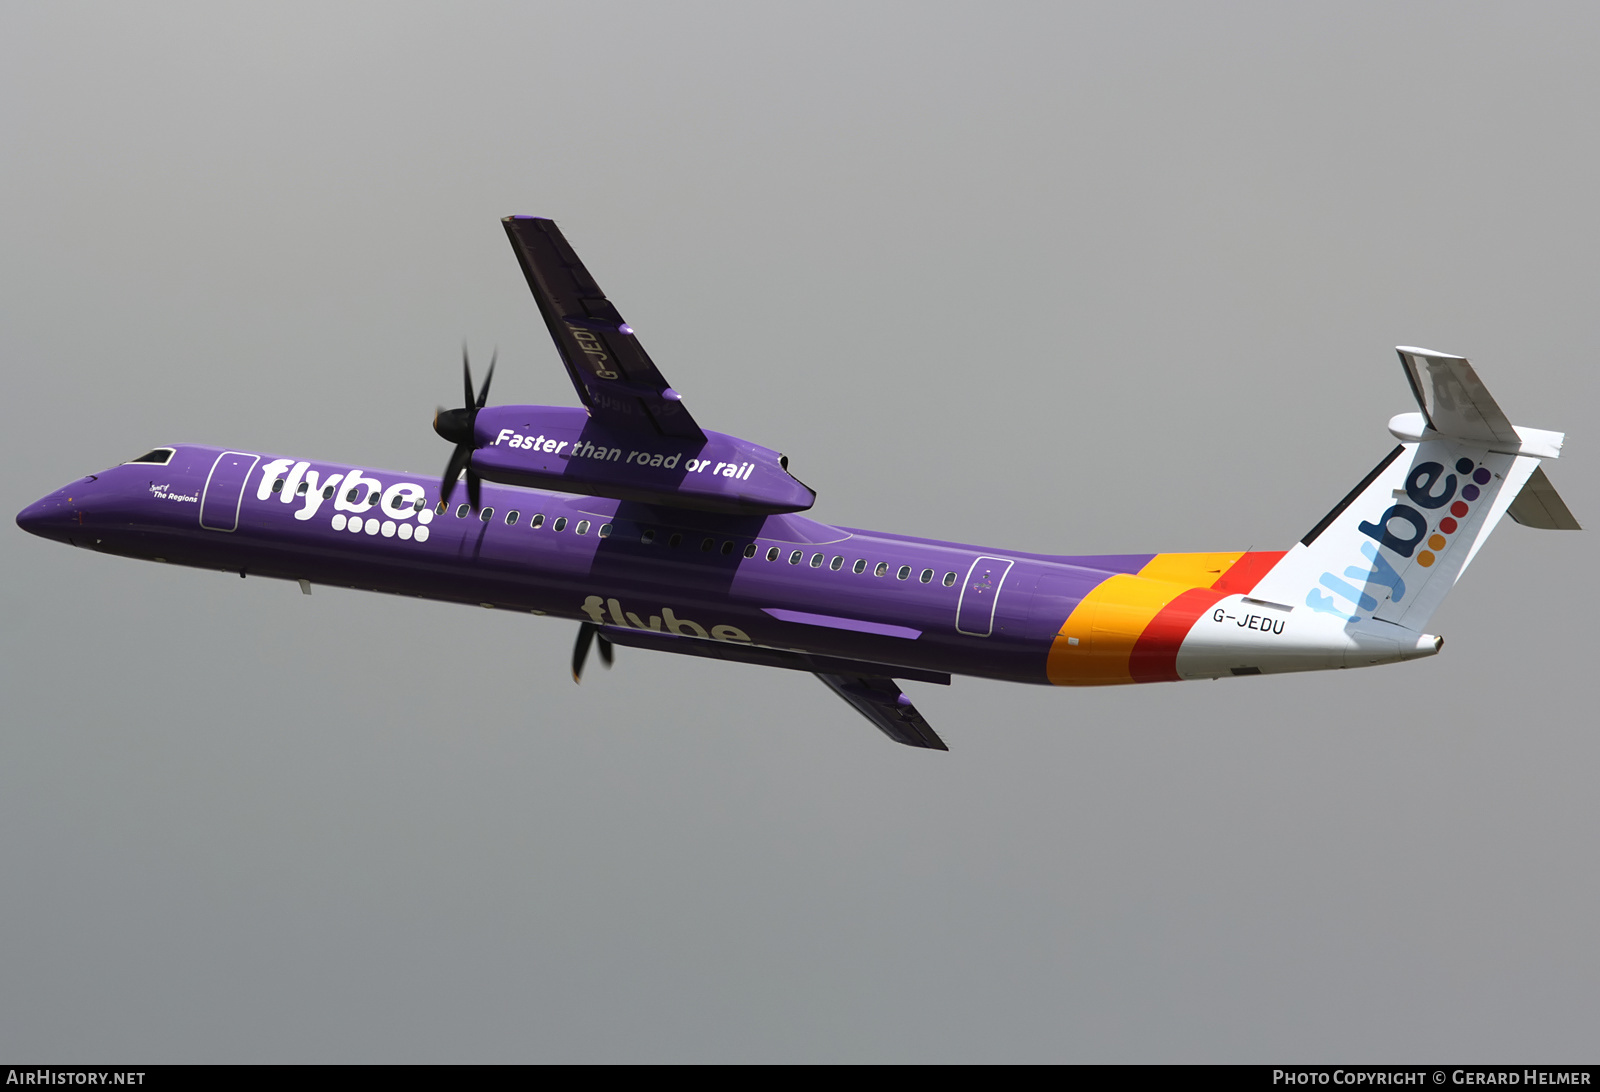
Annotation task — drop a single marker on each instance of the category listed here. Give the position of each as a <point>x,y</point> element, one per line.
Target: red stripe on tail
<point>1155,653</point>
<point>1243,575</point>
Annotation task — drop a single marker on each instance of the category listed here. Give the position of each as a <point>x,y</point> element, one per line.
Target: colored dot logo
<point>1458,511</point>
<point>387,528</point>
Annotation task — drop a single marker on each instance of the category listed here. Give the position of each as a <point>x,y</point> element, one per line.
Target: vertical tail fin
<point>1393,548</point>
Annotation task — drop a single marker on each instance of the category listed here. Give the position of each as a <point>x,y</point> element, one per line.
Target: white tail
<point>1393,548</point>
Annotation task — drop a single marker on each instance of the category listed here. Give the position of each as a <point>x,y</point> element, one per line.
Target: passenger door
<point>224,491</point>
<point>980,594</point>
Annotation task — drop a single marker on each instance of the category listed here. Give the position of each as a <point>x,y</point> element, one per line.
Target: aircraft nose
<point>51,516</point>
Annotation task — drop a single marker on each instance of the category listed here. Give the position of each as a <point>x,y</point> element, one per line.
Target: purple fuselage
<point>781,581</point>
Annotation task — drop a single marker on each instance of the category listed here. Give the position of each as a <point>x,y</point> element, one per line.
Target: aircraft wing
<point>613,374</point>
<point>740,653</point>
<point>866,686</point>
<point>879,700</point>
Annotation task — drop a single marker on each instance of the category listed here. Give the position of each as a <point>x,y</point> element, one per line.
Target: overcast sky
<point>1062,278</point>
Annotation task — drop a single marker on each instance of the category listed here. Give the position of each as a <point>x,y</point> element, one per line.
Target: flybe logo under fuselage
<point>609,612</point>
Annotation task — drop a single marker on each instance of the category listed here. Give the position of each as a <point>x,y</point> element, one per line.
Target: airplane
<point>627,517</point>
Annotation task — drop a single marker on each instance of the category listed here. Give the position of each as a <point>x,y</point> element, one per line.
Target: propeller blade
<point>607,650</point>
<point>483,395</point>
<point>580,651</point>
<point>457,426</point>
<point>452,471</point>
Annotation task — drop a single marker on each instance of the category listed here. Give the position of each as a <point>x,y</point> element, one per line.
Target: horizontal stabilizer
<point>881,701</point>
<point>1454,399</point>
<point>1539,505</point>
<point>1457,406</point>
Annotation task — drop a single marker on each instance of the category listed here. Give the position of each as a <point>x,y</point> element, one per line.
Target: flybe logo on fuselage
<point>400,511</point>
<point>1401,529</point>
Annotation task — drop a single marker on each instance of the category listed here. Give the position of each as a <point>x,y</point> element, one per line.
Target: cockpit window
<point>161,456</point>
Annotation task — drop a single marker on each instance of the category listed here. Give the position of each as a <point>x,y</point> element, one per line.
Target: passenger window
<point>461,511</point>
<point>605,530</point>
<point>750,550</point>
<point>772,554</point>
<point>673,542</point>
<point>511,517</point>
<point>883,567</point>
<point>727,548</point>
<point>537,521</point>
<point>372,497</point>
<point>327,494</point>
<point>949,579</point>
<point>927,575</point>
<point>351,496</point>
<point>836,564</point>
<point>305,487</point>
<point>905,571</point>
<point>648,537</point>
<point>582,528</point>
<point>794,558</point>
<point>560,524</point>
<point>438,511</point>
<point>816,561</point>
<point>486,514</point>
<point>706,544</point>
<point>420,505</point>
<point>860,566</point>
<point>277,486</point>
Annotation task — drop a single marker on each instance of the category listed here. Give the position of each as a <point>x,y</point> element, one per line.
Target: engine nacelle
<point>555,447</point>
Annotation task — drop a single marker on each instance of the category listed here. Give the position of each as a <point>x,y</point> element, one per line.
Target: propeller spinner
<point>456,425</point>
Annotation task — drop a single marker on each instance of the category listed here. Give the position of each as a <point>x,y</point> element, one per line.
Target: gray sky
<point>1057,278</point>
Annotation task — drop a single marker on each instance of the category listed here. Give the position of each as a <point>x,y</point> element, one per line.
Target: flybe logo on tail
<point>1401,529</point>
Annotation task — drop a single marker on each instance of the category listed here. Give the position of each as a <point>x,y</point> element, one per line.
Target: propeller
<point>456,425</point>
<point>589,632</point>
